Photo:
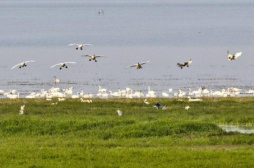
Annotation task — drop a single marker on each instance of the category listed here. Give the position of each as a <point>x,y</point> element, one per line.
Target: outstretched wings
<point>16,66</point>
<point>74,44</point>
<point>19,64</point>
<point>144,62</point>
<point>29,61</point>
<point>55,65</point>
<point>63,63</point>
<point>96,56</point>
<point>135,65</point>
<point>233,56</point>
<point>238,54</point>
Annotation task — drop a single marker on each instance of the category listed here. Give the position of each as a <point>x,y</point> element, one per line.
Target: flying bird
<point>93,57</point>
<point>138,65</point>
<point>187,107</point>
<point>80,46</point>
<point>181,65</point>
<point>22,64</point>
<point>63,64</point>
<point>232,57</point>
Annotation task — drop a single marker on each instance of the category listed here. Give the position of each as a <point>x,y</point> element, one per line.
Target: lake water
<point>163,32</point>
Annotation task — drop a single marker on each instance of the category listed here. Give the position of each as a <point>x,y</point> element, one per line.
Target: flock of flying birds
<point>138,65</point>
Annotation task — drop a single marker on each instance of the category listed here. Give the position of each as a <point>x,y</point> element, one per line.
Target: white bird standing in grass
<point>164,94</point>
<point>193,99</point>
<point>187,107</point>
<point>119,112</point>
<point>232,57</point>
<point>21,111</point>
<point>80,46</point>
<point>146,102</point>
<point>22,64</point>
<point>138,65</point>
<point>85,101</point>
<point>63,64</point>
<point>93,57</point>
<point>102,90</point>
<point>60,99</point>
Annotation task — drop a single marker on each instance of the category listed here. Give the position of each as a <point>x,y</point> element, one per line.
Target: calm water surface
<point>163,32</point>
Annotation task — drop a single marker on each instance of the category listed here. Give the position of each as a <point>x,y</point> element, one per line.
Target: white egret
<point>21,111</point>
<point>187,107</point>
<point>146,102</point>
<point>119,112</point>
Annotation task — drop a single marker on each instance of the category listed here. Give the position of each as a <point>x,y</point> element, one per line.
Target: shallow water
<point>128,32</point>
<point>240,129</point>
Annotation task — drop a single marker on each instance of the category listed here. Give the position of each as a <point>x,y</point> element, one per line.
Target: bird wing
<point>15,66</point>
<point>87,55</point>
<point>70,62</point>
<point>134,65</point>
<point>56,65</point>
<point>72,44</point>
<point>29,61</point>
<point>238,54</point>
<point>87,44</point>
<point>99,56</point>
<point>144,62</point>
<point>180,64</point>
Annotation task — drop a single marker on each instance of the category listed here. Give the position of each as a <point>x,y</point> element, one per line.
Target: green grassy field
<point>75,134</point>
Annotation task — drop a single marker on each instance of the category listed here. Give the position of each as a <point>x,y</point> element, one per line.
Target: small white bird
<point>80,46</point>
<point>193,99</point>
<point>61,99</point>
<point>93,57</point>
<point>138,65</point>
<point>187,107</point>
<point>22,64</point>
<point>85,101</point>
<point>146,102</point>
<point>232,57</point>
<point>57,80</point>
<point>21,111</point>
<point>63,64</point>
<point>48,99</point>
<point>119,112</point>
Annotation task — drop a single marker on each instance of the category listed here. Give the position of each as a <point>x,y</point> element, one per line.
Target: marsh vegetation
<point>76,134</point>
